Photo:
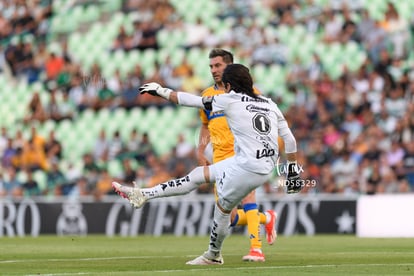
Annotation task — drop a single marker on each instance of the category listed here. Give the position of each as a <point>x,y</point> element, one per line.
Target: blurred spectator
<point>333,25</point>
<point>55,180</point>
<point>123,40</point>
<point>129,173</point>
<point>93,84</point>
<point>182,70</point>
<point>91,171</point>
<point>100,152</point>
<point>159,175</point>
<point>77,93</point>
<point>72,174</point>
<point>106,98</point>
<point>343,170</point>
<point>129,95</point>
<point>63,79</point>
<point>67,107</point>
<point>56,109</point>
<point>81,188</point>
<point>53,148</point>
<point>396,27</point>
<point>270,51</point>
<point>35,109</point>
<point>136,76</point>
<point>408,163</point>
<point>7,156</point>
<point>168,75</point>
<point>192,83</point>
<point>184,148</point>
<point>349,27</point>
<point>3,140</point>
<point>33,157</point>
<point>11,186</point>
<point>131,145</point>
<point>115,145</point>
<point>25,64</point>
<point>395,154</point>
<point>145,148</point>
<point>5,27</point>
<point>30,186</point>
<point>103,185</point>
<point>387,123</point>
<point>365,25</point>
<point>395,104</point>
<point>141,178</point>
<point>195,34</point>
<point>389,183</point>
<point>114,83</point>
<point>148,39</point>
<point>53,66</point>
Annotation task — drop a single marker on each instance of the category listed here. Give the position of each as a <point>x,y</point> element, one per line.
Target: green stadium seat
<point>111,5</point>
<point>41,178</point>
<point>115,168</point>
<point>91,13</point>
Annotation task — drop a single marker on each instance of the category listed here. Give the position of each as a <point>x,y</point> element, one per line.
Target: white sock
<point>219,231</point>
<point>179,186</point>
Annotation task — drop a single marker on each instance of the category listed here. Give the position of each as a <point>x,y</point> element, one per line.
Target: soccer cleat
<point>132,194</point>
<point>205,260</point>
<point>271,234</point>
<point>255,255</point>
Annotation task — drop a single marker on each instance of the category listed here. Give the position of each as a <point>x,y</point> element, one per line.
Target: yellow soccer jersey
<point>221,137</point>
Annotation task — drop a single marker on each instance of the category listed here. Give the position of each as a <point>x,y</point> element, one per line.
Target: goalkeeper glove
<point>293,181</point>
<point>155,89</point>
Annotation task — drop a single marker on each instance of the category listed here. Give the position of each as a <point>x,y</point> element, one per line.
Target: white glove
<point>155,89</point>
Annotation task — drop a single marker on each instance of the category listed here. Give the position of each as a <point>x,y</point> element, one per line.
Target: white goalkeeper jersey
<point>256,124</point>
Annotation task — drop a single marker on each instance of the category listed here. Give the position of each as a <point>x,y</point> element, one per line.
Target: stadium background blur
<point>71,120</point>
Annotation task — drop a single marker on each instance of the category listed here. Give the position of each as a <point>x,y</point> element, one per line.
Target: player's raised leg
<point>180,186</point>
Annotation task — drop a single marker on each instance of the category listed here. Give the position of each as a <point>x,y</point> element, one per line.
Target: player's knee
<point>224,206</point>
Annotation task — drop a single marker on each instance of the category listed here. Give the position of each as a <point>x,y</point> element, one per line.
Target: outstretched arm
<point>294,183</point>
<point>181,98</point>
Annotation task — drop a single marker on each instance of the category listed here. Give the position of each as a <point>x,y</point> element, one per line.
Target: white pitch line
<point>87,259</point>
<point>220,268</point>
<point>158,257</point>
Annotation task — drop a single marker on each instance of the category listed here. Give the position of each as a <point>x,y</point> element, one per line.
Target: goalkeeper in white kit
<point>256,122</point>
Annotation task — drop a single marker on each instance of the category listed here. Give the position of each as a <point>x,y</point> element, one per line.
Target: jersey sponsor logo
<point>250,99</point>
<point>255,108</point>
<point>214,115</point>
<point>264,153</point>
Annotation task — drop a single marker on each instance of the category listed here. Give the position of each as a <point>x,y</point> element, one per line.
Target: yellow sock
<point>253,224</point>
<point>241,219</point>
<point>262,218</point>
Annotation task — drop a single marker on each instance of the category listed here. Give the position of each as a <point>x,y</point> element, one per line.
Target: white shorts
<point>234,183</point>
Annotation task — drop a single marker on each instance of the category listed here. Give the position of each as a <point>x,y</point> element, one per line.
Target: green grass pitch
<point>166,255</point>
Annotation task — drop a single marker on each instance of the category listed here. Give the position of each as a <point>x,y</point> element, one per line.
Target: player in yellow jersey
<point>215,130</point>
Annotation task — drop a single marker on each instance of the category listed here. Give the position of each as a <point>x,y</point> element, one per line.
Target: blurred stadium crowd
<point>71,120</point>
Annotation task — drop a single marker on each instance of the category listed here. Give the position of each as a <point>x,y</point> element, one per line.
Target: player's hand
<point>155,89</point>
<point>293,182</point>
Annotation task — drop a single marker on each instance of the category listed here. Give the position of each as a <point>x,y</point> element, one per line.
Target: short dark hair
<point>226,55</point>
<point>239,78</point>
